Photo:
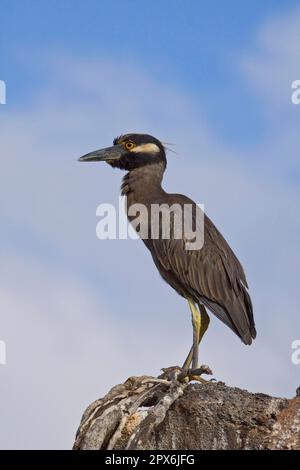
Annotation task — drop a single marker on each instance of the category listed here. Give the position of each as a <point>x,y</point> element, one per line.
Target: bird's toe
<point>176,373</point>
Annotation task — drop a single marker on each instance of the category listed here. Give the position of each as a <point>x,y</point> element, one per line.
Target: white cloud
<point>274,63</point>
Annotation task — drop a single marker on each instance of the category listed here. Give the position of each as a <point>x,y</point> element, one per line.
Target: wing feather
<point>213,274</point>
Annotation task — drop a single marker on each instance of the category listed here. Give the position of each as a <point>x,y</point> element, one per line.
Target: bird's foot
<point>196,374</point>
<point>185,375</point>
<point>172,373</point>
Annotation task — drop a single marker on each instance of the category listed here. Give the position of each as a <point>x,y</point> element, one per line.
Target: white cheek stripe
<point>146,148</point>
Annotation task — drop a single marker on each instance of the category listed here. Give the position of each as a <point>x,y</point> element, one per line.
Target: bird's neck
<point>143,183</point>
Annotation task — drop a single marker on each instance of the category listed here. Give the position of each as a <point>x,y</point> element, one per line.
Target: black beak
<point>104,155</point>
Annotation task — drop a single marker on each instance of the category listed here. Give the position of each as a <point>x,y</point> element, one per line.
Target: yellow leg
<point>196,321</point>
<point>204,323</point>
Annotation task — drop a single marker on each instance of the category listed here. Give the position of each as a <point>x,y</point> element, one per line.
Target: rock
<point>158,414</point>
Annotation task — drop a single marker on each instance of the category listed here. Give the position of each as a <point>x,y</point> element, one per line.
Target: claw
<point>204,369</point>
<point>185,375</point>
<point>194,374</point>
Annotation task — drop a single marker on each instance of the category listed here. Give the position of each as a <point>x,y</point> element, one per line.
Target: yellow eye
<point>129,145</point>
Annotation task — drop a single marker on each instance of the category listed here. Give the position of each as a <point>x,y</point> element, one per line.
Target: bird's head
<point>130,151</point>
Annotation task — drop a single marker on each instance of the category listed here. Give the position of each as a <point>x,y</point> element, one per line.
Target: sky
<point>79,315</point>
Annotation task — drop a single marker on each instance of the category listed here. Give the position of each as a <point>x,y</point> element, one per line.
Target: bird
<point>209,277</point>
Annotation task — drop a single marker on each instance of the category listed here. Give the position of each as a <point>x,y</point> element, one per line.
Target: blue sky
<point>213,78</point>
<point>191,45</point>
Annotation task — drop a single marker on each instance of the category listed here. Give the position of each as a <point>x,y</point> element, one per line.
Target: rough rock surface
<point>150,413</point>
